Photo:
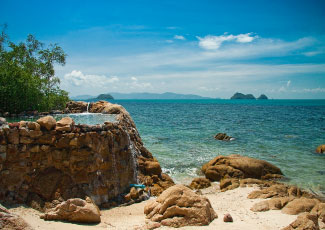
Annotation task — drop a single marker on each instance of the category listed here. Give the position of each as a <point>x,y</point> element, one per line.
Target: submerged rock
<point>179,206</point>
<point>236,166</point>
<point>223,137</point>
<point>74,210</point>
<point>320,149</point>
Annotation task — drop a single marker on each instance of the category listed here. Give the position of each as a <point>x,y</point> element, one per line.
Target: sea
<point>180,134</point>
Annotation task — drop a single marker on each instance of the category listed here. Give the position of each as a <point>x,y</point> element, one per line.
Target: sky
<point>210,48</point>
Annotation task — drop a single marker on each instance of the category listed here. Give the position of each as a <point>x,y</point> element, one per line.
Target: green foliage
<point>27,76</point>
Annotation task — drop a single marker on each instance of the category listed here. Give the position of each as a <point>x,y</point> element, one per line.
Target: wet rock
<point>10,221</point>
<point>74,210</point>
<point>223,137</point>
<point>200,183</point>
<point>227,218</point>
<point>47,122</point>
<point>236,166</point>
<point>320,149</point>
<point>305,221</point>
<point>299,205</point>
<point>65,124</point>
<point>179,206</point>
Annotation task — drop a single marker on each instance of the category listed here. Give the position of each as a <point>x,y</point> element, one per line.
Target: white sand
<point>131,217</point>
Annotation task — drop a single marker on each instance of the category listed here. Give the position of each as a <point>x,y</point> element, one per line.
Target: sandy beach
<point>234,202</point>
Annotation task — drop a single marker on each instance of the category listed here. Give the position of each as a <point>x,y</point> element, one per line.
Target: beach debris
<point>237,166</point>
<point>223,137</point>
<point>74,210</point>
<point>320,149</point>
<point>304,221</point>
<point>200,183</point>
<point>227,218</point>
<point>179,206</point>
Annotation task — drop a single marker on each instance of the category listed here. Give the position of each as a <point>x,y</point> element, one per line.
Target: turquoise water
<point>180,134</point>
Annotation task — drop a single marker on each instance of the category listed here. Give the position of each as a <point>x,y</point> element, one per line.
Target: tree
<point>27,75</point>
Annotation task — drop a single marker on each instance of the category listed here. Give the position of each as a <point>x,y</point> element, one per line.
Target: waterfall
<point>134,158</point>
<point>88,107</point>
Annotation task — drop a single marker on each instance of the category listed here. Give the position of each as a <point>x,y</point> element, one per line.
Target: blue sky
<point>210,48</point>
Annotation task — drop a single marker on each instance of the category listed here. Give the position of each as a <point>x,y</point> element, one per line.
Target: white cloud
<point>179,37</point>
<point>315,90</point>
<point>134,79</point>
<point>77,78</point>
<point>288,83</point>
<point>211,42</point>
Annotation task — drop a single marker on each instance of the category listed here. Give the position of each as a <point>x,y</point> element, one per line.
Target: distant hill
<point>242,96</point>
<point>167,95</point>
<point>106,96</point>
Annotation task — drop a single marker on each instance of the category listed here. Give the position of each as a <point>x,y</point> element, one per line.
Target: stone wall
<point>47,160</point>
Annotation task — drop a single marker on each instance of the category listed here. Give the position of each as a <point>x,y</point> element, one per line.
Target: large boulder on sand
<point>236,166</point>
<point>10,221</point>
<point>47,122</point>
<point>300,205</point>
<point>74,210</point>
<point>179,206</point>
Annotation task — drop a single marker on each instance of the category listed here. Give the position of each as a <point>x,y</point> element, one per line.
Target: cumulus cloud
<point>179,37</point>
<point>77,78</point>
<point>211,42</point>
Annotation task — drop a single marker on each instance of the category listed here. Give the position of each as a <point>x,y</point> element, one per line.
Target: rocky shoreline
<point>66,171</point>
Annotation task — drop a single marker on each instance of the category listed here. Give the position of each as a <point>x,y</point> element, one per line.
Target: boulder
<point>223,137</point>
<point>320,149</point>
<point>179,206</point>
<point>200,183</point>
<point>279,190</point>
<point>229,184</point>
<point>272,204</point>
<point>305,221</point>
<point>10,221</point>
<point>319,210</point>
<point>300,205</point>
<point>236,166</point>
<point>65,124</point>
<point>47,122</point>
<point>74,210</point>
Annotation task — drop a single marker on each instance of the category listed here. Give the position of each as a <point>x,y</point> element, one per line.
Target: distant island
<point>105,97</point>
<point>167,95</point>
<point>248,96</point>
